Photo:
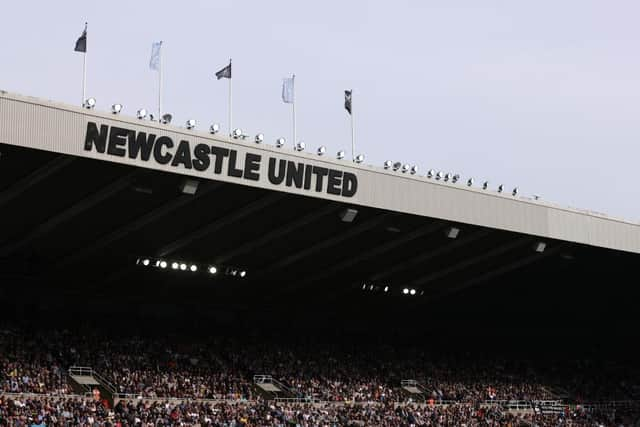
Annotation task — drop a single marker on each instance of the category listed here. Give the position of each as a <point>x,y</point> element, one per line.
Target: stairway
<point>84,380</point>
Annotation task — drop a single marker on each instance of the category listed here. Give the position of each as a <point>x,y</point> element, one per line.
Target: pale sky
<point>543,95</point>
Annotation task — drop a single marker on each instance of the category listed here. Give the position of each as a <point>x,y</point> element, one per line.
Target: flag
<point>81,43</point>
<point>287,90</point>
<point>225,73</point>
<point>347,100</point>
<point>154,62</point>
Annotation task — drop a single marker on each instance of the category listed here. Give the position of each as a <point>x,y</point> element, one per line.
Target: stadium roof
<point>85,194</point>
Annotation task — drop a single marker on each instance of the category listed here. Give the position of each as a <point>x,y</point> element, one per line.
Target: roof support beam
<point>35,177</point>
<point>64,216</point>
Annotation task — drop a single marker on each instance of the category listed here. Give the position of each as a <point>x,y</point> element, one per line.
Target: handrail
<point>88,371</point>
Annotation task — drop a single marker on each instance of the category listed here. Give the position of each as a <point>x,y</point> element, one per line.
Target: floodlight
<point>237,133</point>
<point>388,164</point>
<point>364,286</point>
<point>470,182</point>
<point>514,193</point>
<point>141,113</point>
<point>386,289</point>
<point>485,185</point>
<point>259,138</point>
<point>431,173</point>
<point>243,273</point>
<point>412,291</point>
<point>359,158</point>
<point>183,266</point>
<point>439,176</point>
<point>213,270</point>
<point>166,118</point>
<point>280,142</point>
<point>191,124</point>
<point>405,291</point>
<point>214,128</point>
<point>300,146</point>
<point>371,287</point>
<point>447,177</point>
<point>500,188</point>
<point>89,103</point>
<point>116,108</point>
<point>193,268</point>
<point>396,166</point>
<point>414,170</point>
<point>163,264</point>
<point>455,178</point>
<point>145,261</point>
<point>405,168</point>
<point>175,265</point>
<point>340,155</point>
<point>540,247</point>
<point>452,232</point>
<point>321,150</point>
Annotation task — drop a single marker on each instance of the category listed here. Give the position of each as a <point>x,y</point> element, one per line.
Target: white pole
<point>293,78</point>
<point>160,85</point>
<point>84,77</point>
<point>353,131</point>
<point>230,101</point>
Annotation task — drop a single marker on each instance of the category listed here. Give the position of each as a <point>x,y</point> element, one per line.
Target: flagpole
<point>160,85</point>
<point>230,101</point>
<point>293,79</point>
<point>84,66</point>
<point>353,131</point>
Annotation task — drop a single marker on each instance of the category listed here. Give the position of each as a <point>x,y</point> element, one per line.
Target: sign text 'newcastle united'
<point>120,142</point>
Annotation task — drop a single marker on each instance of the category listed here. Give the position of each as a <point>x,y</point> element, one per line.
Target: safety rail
<point>88,371</point>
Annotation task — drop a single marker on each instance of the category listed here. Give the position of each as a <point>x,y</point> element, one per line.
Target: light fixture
<point>412,291</point>
<point>455,178</point>
<point>414,170</point>
<point>386,289</point>
<point>163,264</point>
<point>371,287</point>
<point>470,182</point>
<point>214,128</point>
<point>430,173</point>
<point>141,113</point>
<point>243,273</point>
<point>300,146</point>
<point>280,142</point>
<point>348,215</point>
<point>500,188</point>
<point>321,150</point>
<point>405,291</point>
<point>396,166</point>
<point>189,186</point>
<point>237,133</point>
<point>183,266</point>
<point>259,138</point>
<point>405,168</point>
<point>193,268</point>
<point>452,232</point>
<point>166,118</point>
<point>191,124</point>
<point>439,176</point>
<point>152,117</point>
<point>485,185</point>
<point>359,158</point>
<point>540,247</point>
<point>536,197</point>
<point>388,164</point>
<point>145,262</point>
<point>514,193</point>
<point>116,108</point>
<point>340,155</point>
<point>89,103</point>
<point>447,177</point>
<point>364,286</point>
<point>213,270</point>
<point>175,265</point>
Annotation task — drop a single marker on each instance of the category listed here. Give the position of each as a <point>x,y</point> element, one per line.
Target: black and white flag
<point>81,43</point>
<point>225,73</point>
<point>347,100</point>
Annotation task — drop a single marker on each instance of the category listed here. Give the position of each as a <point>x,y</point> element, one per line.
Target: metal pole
<point>84,78</point>
<point>160,85</point>
<point>353,131</point>
<point>293,79</point>
<point>230,101</point>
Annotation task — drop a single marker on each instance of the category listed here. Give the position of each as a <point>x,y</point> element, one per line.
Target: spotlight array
<point>182,266</point>
<point>388,289</point>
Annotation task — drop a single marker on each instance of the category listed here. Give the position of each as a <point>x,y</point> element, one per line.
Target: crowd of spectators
<point>59,411</point>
